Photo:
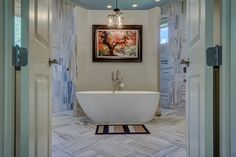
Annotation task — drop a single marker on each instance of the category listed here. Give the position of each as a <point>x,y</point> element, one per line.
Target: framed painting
<point>112,44</point>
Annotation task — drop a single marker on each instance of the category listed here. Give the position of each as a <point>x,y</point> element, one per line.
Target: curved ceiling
<point>122,4</point>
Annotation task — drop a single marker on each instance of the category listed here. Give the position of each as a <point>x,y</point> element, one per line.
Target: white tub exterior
<point>121,107</point>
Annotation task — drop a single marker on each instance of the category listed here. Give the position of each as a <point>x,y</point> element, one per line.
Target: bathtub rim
<point>118,92</point>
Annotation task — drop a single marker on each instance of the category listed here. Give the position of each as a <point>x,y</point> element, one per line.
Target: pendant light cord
<point>116,9</point>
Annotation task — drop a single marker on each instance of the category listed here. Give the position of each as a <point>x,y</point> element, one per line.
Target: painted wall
<point>172,76</point>
<point>64,75</point>
<point>137,76</point>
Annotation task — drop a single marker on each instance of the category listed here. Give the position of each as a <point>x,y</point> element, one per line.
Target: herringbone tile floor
<point>74,137</point>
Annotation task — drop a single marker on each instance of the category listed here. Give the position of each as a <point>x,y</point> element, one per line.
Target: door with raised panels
<point>39,78</point>
<point>199,78</point>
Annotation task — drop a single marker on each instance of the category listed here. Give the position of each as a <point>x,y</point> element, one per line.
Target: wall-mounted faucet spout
<point>117,81</point>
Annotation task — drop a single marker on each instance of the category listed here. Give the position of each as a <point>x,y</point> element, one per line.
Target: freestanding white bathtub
<point>119,107</point>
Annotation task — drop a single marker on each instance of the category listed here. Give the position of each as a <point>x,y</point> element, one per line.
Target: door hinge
<point>214,56</point>
<point>19,57</point>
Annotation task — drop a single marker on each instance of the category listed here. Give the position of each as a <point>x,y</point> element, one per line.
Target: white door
<point>39,77</point>
<point>199,78</point>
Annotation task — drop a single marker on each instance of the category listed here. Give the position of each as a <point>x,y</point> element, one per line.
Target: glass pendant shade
<point>116,18</point>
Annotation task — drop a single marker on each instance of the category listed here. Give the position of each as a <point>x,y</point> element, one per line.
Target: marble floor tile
<point>75,137</point>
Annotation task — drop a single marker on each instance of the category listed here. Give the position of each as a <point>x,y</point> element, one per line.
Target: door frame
<point>1,77</point>
<point>7,82</point>
<point>228,77</point>
<point>7,78</point>
<point>25,120</point>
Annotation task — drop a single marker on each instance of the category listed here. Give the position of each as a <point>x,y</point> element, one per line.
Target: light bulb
<point>109,6</point>
<point>110,21</point>
<point>119,21</point>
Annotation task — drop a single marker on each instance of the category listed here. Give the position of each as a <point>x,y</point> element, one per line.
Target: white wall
<point>137,76</point>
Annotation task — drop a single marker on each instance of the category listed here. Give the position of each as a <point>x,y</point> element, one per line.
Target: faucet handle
<point>112,74</point>
<point>118,72</point>
<point>122,84</point>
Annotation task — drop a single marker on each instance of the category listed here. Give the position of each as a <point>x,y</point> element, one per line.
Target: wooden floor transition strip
<point>121,129</point>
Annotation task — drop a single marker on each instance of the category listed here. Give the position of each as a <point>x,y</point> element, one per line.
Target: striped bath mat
<point>121,129</point>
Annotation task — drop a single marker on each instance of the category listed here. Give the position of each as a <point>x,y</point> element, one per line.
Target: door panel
<point>197,76</point>
<point>42,21</point>
<point>39,77</point>
<point>194,99</point>
<point>195,13</point>
<point>42,115</point>
<point>7,39</point>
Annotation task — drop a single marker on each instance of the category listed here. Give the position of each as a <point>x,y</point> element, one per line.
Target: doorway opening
<point>76,135</point>
<point>68,137</point>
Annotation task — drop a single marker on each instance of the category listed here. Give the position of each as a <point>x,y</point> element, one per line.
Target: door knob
<point>186,62</point>
<point>53,61</point>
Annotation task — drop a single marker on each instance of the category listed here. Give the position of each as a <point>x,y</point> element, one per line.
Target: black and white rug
<point>121,129</point>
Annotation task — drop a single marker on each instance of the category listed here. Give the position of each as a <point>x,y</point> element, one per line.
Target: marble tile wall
<point>172,76</point>
<point>64,75</point>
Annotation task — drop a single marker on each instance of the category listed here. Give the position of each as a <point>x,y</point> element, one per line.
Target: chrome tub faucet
<point>117,81</point>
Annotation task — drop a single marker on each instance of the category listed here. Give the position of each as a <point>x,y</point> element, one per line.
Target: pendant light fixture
<point>116,18</point>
